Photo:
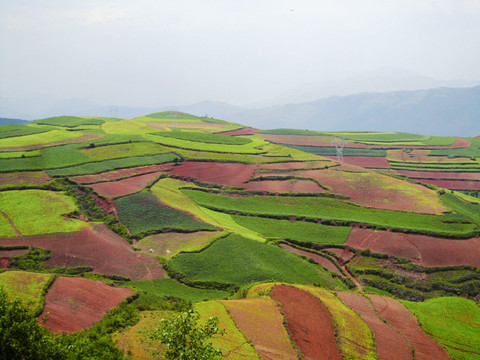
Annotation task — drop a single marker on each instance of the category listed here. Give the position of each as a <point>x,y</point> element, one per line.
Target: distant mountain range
<point>439,111</point>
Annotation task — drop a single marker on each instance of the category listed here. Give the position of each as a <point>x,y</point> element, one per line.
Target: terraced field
<point>124,221</point>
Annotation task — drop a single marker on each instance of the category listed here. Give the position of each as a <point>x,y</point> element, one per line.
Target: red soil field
<point>368,188</point>
<point>6,255</point>
<point>230,174</point>
<point>261,322</point>
<point>327,264</point>
<point>440,175</point>
<point>244,131</point>
<point>420,249</point>
<point>74,304</point>
<point>123,187</point>
<point>121,173</point>
<point>27,177</point>
<point>364,161</point>
<point>309,322</point>
<point>284,186</point>
<point>390,344</point>
<point>454,184</point>
<point>343,254</point>
<point>97,247</point>
<point>309,140</point>
<point>401,319</point>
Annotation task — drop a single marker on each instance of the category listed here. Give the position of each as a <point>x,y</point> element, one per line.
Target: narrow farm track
<point>11,224</point>
<point>400,318</point>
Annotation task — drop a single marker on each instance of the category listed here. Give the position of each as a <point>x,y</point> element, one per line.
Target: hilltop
<point>300,242</point>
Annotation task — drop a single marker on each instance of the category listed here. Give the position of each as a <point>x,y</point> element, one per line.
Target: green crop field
<point>295,230</point>
<point>332,151</point>
<point>205,137</point>
<point>69,121</point>
<point>233,344</point>
<point>142,212</point>
<point>38,138</point>
<point>469,210</point>
<point>329,209</point>
<point>35,212</point>
<point>7,131</point>
<point>26,286</point>
<point>452,322</point>
<point>237,260</point>
<point>153,293</point>
<point>123,150</point>
<point>253,147</point>
<point>108,165</point>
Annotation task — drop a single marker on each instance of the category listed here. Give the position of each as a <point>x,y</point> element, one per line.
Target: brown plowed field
<point>74,304</point>
<point>284,186</point>
<point>123,187</point>
<point>420,249</point>
<point>390,344</point>
<point>308,322</point>
<point>309,140</point>
<point>453,175</point>
<point>454,184</point>
<point>327,264</point>
<point>343,254</point>
<point>230,174</point>
<point>262,323</point>
<point>371,189</point>
<point>121,173</point>
<point>401,319</point>
<point>244,131</point>
<point>99,248</point>
<point>26,177</point>
<point>364,161</point>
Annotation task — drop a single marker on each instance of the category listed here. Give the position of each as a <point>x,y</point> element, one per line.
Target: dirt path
<point>11,224</point>
<point>351,277</point>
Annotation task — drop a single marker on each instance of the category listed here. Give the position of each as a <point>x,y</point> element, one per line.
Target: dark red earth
<point>74,304</point>
<point>402,320</point>
<point>308,321</point>
<point>420,249</point>
<point>97,247</point>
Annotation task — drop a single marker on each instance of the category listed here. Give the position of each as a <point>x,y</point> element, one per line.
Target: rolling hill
<point>299,249</point>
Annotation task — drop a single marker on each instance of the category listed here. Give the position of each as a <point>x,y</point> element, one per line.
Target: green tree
<point>20,335</point>
<point>186,339</point>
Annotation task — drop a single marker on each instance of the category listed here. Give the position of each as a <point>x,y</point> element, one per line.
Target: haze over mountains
<point>382,100</point>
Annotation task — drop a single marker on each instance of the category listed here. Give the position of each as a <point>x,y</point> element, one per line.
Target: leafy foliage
<point>186,340</point>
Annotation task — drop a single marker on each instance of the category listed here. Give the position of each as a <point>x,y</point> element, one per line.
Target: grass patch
<point>7,131</point>
<point>253,147</point>
<point>331,210</point>
<point>123,150</point>
<point>26,286</point>
<point>295,230</point>
<point>35,212</point>
<point>471,211</point>
<point>170,244</point>
<point>235,260</point>
<point>19,154</point>
<point>39,138</point>
<point>168,190</point>
<point>233,344</point>
<point>108,165</point>
<point>69,121</point>
<point>142,212</point>
<point>153,294</point>
<point>205,137</point>
<point>452,322</point>
<point>331,150</point>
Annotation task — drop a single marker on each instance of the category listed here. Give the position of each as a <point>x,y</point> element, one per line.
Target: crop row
<point>317,208</point>
<point>205,137</point>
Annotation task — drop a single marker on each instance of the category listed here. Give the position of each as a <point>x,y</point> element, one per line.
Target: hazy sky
<point>156,52</point>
